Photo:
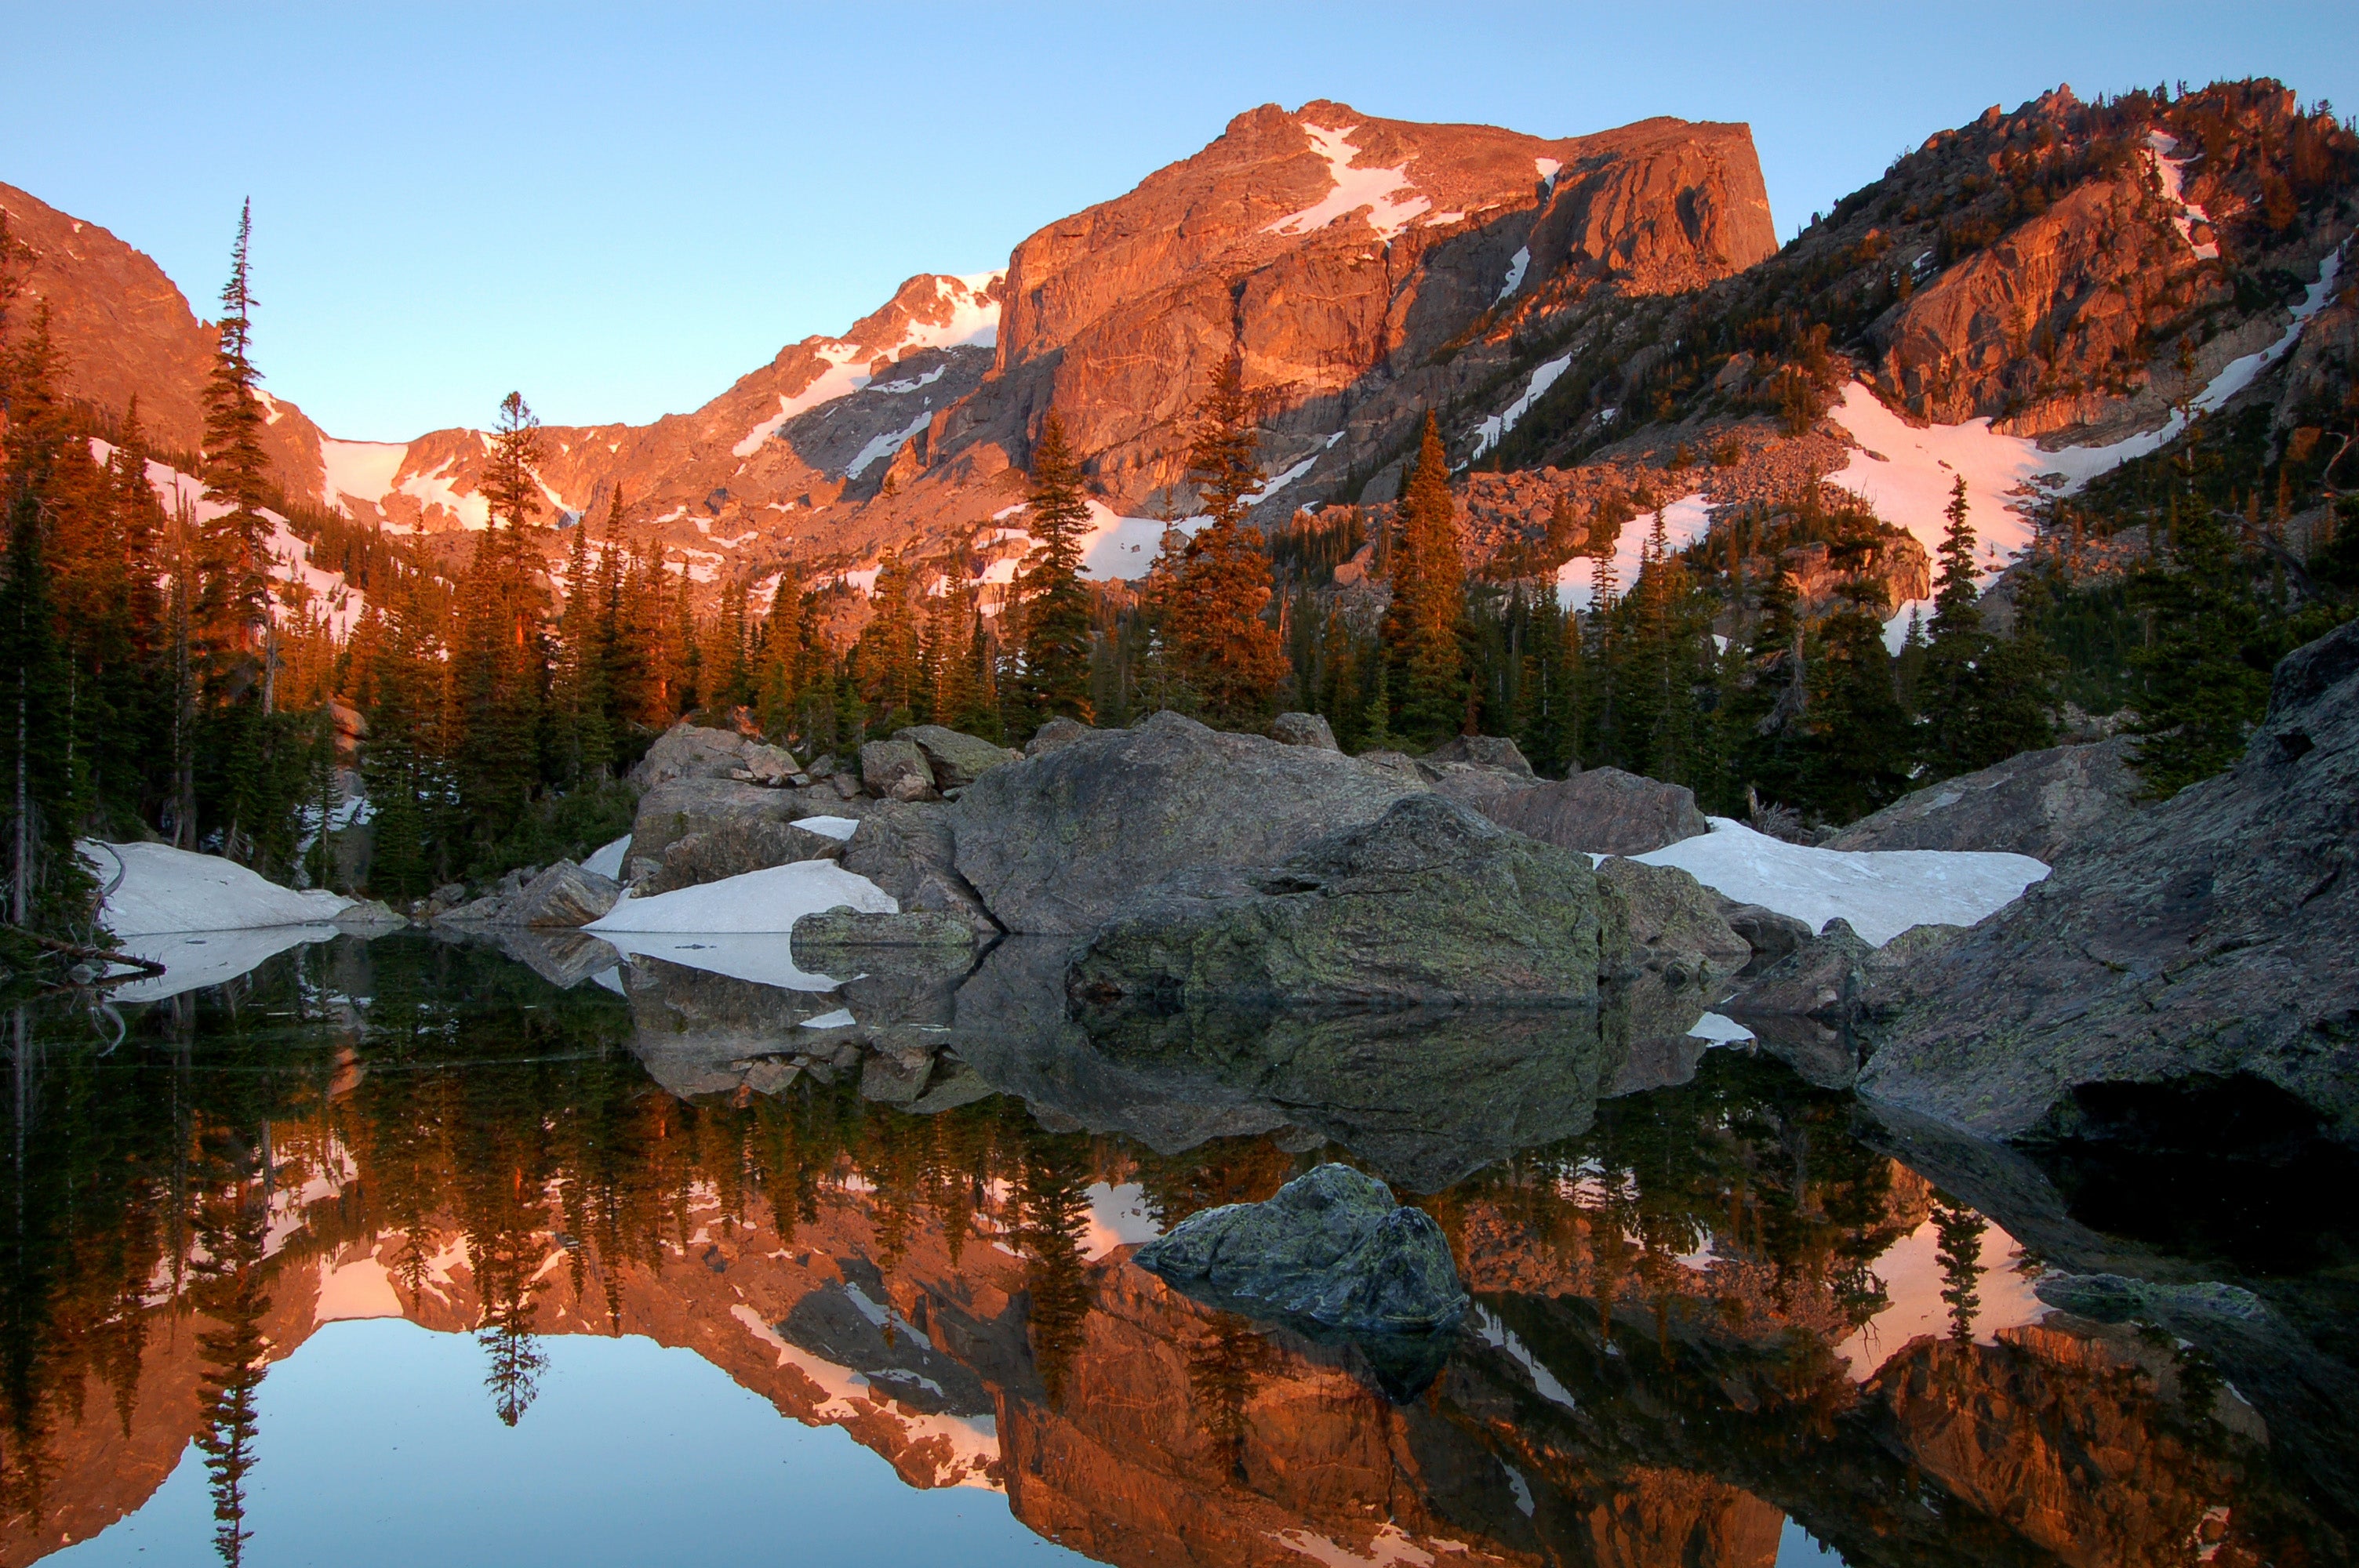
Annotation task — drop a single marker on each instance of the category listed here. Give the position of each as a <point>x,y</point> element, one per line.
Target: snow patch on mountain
<point>1906,474</point>
<point>2172,172</point>
<point>963,315</point>
<point>363,470</point>
<point>885,445</point>
<point>1491,431</point>
<point>434,488</point>
<point>303,588</point>
<point>1516,270</point>
<point>1549,170</point>
<point>1379,191</point>
<point>1685,521</point>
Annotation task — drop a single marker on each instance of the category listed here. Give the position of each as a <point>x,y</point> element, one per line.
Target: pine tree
<point>1224,657</point>
<point>1983,698</point>
<point>501,665</point>
<point>232,611</point>
<point>1055,603</point>
<point>1423,624</point>
<point>2200,694</point>
<point>891,649</point>
<point>1858,732</point>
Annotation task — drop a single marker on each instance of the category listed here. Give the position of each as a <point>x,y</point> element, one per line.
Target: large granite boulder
<point>906,847</point>
<point>1483,751</point>
<point>1603,811</point>
<point>733,847</point>
<point>689,751</point>
<point>1057,843</point>
<point>1429,904</point>
<point>897,770</point>
<point>1331,1246</point>
<point>680,807</point>
<point>2211,935</point>
<point>563,895</point>
<point>1677,933</point>
<point>955,760</point>
<point>2039,804</point>
<point>1303,730</point>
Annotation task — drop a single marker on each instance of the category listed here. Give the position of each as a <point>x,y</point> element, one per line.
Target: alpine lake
<point>419,1250</point>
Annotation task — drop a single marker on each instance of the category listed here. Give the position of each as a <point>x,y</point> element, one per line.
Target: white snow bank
<point>364,470</point>
<point>607,859</point>
<point>1685,521</point>
<point>763,902</point>
<point>762,958</point>
<point>1720,1030</point>
<point>840,1019</point>
<point>1881,892</point>
<point>1906,474</point>
<point>840,829</point>
<point>1115,548</point>
<point>1489,433</point>
<point>1380,191</point>
<point>2172,172</point>
<point>882,447</point>
<point>1516,270</point>
<point>194,959</point>
<point>164,889</point>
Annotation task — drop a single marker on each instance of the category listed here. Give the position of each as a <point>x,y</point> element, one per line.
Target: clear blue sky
<point>620,209</point>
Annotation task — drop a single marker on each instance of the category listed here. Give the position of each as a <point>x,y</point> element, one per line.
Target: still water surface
<point>407,1250</point>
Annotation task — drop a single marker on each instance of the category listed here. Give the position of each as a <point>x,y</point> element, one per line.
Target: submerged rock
<point>1603,811</point>
<point>1057,843</point>
<point>2210,935</point>
<point>2039,803</point>
<point>1429,904</point>
<point>1331,1246</point>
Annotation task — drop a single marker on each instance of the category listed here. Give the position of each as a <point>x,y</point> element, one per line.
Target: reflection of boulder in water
<point>849,1330</point>
<point>1424,1097</point>
<point>564,959</point>
<point>696,1029</point>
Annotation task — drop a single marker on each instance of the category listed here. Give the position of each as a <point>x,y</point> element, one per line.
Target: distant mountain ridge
<point>1575,308</point>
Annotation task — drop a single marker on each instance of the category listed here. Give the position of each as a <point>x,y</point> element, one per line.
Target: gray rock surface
<point>1676,932</point>
<point>1056,733</point>
<point>2212,933</point>
<point>564,958</point>
<point>1483,751</point>
<point>1303,730</point>
<point>730,848</point>
<point>2039,804</point>
<point>688,751</point>
<point>897,770</point>
<point>1603,811</point>
<point>563,895</point>
<point>906,849</point>
<point>1431,905</point>
<point>678,808</point>
<point>856,928</point>
<point>1331,1246</point>
<point>370,916</point>
<point>1770,935</point>
<point>956,758</point>
<point>1057,843</point>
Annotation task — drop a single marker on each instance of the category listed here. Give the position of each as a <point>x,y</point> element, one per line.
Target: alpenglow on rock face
<point>1330,1246</point>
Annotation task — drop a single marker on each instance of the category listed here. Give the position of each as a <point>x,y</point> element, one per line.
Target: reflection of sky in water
<point>379,1445</point>
<point>1911,1272</point>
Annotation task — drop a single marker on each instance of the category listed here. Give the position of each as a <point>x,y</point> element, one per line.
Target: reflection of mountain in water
<point>1649,1375</point>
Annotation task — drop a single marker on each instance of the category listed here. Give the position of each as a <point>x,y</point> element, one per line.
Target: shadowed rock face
<point>2039,803</point>
<point>1429,904</point>
<point>1603,811</point>
<point>2211,935</point>
<point>1055,843</point>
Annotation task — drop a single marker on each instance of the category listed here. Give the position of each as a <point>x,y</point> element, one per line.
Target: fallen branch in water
<point>145,967</point>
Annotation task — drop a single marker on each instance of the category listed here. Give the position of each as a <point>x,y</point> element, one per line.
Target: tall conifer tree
<point>1055,603</point>
<point>1229,660</point>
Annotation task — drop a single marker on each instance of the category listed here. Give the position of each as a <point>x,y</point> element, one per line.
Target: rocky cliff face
<point>123,329</point>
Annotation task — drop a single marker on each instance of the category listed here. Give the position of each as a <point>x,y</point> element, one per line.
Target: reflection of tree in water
<point>1745,1160</point>
<point>1959,1232</point>
<point>233,1222</point>
<point>1222,1365</point>
<point>1051,1198</point>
